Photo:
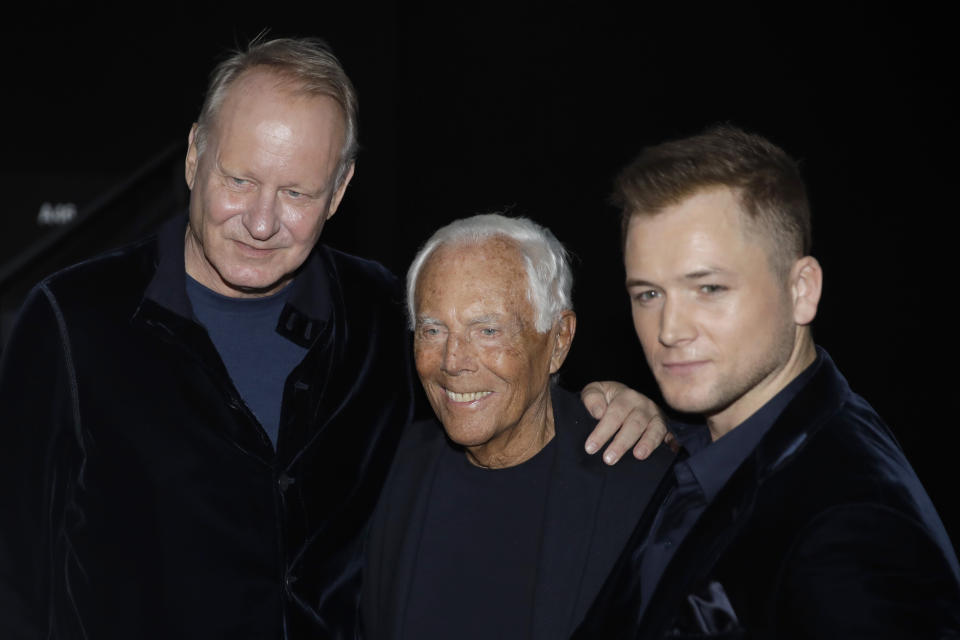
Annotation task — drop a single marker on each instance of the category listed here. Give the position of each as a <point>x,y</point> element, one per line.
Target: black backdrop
<point>531,107</point>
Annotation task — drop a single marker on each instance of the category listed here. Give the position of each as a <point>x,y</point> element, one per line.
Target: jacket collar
<point>572,509</point>
<point>824,395</point>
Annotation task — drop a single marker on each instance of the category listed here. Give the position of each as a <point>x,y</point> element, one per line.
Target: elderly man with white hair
<point>498,525</point>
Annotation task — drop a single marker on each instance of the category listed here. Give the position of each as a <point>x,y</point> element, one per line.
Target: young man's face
<point>715,321</point>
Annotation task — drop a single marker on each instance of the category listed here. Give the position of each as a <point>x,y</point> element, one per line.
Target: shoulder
<point>419,448</point>
<point>420,441</point>
<point>95,293</point>
<point>574,423</point>
<point>860,470</point>
<point>854,501</point>
<point>830,447</point>
<point>854,456</point>
<point>117,276</point>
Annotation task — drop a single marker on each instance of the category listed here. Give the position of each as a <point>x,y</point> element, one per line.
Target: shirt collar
<point>712,463</point>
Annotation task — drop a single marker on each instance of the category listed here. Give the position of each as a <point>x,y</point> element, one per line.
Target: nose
<point>262,219</point>
<point>457,356</point>
<point>676,326</point>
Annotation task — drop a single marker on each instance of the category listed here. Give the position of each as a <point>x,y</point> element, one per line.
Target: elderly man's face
<point>717,324</point>
<point>263,187</point>
<point>484,367</point>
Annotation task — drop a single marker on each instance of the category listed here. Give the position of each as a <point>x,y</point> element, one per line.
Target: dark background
<point>532,107</point>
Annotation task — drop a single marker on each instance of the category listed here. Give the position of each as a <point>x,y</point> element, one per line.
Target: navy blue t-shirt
<point>258,359</point>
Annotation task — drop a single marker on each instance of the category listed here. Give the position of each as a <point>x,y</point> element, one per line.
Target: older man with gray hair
<point>498,525</point>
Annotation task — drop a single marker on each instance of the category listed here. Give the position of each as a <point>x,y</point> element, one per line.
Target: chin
<point>254,282</point>
<point>466,436</point>
<point>688,402</point>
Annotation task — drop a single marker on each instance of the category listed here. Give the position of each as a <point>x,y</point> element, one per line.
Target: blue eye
<point>489,331</point>
<point>646,295</point>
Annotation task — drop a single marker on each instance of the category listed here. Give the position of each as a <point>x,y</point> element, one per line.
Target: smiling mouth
<point>466,397</point>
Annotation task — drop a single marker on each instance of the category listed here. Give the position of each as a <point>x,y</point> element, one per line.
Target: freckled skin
<point>721,330</point>
<point>263,187</point>
<point>475,332</point>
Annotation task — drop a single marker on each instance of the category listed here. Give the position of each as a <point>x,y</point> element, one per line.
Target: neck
<point>518,444</point>
<point>803,354</point>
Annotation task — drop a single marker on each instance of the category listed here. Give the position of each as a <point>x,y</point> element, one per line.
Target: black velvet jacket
<point>823,532</point>
<point>140,498</point>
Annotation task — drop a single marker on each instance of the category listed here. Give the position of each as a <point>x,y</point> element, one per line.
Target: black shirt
<point>476,568</point>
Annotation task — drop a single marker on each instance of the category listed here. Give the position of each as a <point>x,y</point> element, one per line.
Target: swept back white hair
<point>549,279</point>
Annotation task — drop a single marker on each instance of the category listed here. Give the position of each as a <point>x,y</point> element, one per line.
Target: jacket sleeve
<point>868,571</point>
<point>37,402</point>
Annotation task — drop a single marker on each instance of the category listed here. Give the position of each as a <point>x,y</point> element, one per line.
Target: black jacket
<point>823,532</point>
<point>591,510</point>
<point>140,498</point>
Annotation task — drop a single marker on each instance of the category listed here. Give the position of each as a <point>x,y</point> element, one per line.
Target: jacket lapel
<point>406,546</point>
<point>571,514</point>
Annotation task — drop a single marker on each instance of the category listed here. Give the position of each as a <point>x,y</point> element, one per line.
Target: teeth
<point>467,397</point>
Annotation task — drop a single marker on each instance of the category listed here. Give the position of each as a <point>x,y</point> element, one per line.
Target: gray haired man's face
<point>485,368</point>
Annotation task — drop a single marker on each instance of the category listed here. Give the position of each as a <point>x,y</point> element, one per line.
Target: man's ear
<point>564,328</point>
<point>806,284</point>
<point>190,169</point>
<point>338,194</point>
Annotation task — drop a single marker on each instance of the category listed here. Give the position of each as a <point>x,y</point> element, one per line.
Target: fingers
<point>629,433</point>
<point>594,397</point>
<point>597,398</point>
<point>655,433</point>
<point>627,420</point>
<point>606,428</point>
<point>642,429</point>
